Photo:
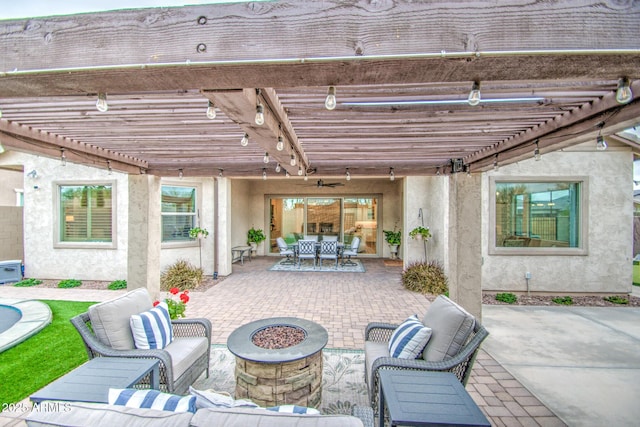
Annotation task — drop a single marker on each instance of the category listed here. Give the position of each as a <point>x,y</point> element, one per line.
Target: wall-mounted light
<point>536,152</point>
<point>33,174</point>
<point>264,174</point>
<point>623,93</point>
<point>392,175</point>
<point>474,95</point>
<point>330,102</point>
<point>348,177</point>
<point>211,110</point>
<point>265,159</point>
<point>245,140</point>
<point>101,103</point>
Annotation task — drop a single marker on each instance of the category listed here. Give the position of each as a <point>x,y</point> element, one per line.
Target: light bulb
<point>278,168</point>
<point>306,177</point>
<point>624,94</point>
<point>264,174</point>
<point>300,171</point>
<point>2,150</point>
<point>330,102</point>
<point>265,159</point>
<point>438,171</point>
<point>536,153</point>
<point>245,140</point>
<point>601,144</point>
<point>392,175</point>
<point>286,173</point>
<point>180,174</point>
<point>468,171</point>
<point>280,144</point>
<point>109,167</point>
<point>220,173</point>
<point>211,111</point>
<point>63,158</point>
<point>0,114</point>
<point>259,115</point>
<point>495,166</point>
<point>474,95</point>
<point>348,175</point>
<point>293,160</point>
<point>101,104</point>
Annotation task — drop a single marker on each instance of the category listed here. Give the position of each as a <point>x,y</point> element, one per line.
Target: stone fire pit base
<point>287,383</point>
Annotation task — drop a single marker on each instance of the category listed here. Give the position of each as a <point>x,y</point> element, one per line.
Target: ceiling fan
<point>321,184</point>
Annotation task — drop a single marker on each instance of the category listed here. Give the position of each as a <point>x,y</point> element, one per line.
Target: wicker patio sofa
<point>106,332</point>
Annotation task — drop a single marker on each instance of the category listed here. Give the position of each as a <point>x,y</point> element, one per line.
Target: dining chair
<point>313,237</point>
<point>285,250</point>
<point>307,250</point>
<point>330,238</point>
<point>328,250</point>
<point>351,251</point>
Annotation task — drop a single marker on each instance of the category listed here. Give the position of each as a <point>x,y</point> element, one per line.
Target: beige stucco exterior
<point>606,266</point>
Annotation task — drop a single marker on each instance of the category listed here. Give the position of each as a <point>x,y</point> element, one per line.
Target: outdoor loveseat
<point>106,332</point>
<point>453,343</point>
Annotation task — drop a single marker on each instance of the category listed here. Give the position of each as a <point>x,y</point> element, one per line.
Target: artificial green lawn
<point>48,355</point>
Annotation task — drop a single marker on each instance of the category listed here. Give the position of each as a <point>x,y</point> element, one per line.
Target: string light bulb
<point>101,103</point>
<point>265,159</point>
<point>438,171</point>
<point>211,110</point>
<point>474,95</point>
<point>293,160</point>
<point>468,167</point>
<point>2,150</point>
<point>259,115</point>
<point>180,173</point>
<point>495,164</point>
<point>330,102</point>
<point>278,168</point>
<point>264,174</point>
<point>536,153</point>
<point>392,175</point>
<point>220,173</point>
<point>286,174</point>
<point>348,175</point>
<point>300,171</point>
<point>306,177</point>
<point>280,144</point>
<point>601,144</point>
<point>109,167</point>
<point>245,140</point>
<point>623,93</point>
<point>63,158</point>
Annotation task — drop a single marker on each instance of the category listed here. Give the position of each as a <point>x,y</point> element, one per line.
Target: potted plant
<point>393,238</point>
<point>420,233</point>
<point>254,237</point>
<point>199,233</point>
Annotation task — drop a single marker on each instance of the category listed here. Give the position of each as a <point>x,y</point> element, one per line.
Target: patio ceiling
<point>160,67</point>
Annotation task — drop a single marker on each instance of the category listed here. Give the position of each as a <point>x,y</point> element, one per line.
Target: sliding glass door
<point>344,217</point>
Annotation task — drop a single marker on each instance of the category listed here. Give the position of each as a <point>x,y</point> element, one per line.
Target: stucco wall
<point>10,180</point>
<point>607,266</point>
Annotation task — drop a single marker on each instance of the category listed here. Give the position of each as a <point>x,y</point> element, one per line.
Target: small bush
<point>617,299</point>
<point>28,282</point>
<point>117,284</point>
<point>507,297</point>
<point>563,300</point>
<point>69,283</point>
<point>181,275</point>
<point>426,278</point>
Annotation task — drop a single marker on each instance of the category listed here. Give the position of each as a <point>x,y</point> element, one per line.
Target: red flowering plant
<point>176,307</point>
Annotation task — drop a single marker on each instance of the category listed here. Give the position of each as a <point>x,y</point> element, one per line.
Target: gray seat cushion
<point>451,325</point>
<point>184,352</point>
<point>372,351</point>
<point>110,319</point>
<point>243,417</point>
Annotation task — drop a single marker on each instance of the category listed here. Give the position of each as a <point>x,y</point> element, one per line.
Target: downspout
<point>215,228</point>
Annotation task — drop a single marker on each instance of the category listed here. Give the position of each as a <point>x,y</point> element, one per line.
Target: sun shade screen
<point>86,213</point>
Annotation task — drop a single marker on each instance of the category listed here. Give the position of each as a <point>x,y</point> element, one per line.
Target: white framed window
<point>85,214</point>
<point>180,207</point>
<point>538,216</point>
<point>19,196</point>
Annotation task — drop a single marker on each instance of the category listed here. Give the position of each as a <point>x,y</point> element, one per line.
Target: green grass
<point>48,355</point>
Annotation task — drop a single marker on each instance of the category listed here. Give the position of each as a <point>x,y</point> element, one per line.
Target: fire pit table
<point>279,361</point>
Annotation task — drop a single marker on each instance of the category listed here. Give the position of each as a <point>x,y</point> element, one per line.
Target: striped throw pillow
<point>151,399</point>
<point>409,339</point>
<point>294,409</point>
<point>152,329</point>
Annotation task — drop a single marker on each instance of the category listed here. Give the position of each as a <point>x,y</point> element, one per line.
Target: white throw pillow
<point>408,339</point>
<point>213,399</point>
<point>151,399</point>
<point>152,329</point>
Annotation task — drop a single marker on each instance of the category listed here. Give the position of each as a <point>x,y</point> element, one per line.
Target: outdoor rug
<point>342,378</point>
<point>328,266</point>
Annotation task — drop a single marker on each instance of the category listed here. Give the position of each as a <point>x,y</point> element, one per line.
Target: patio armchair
<point>452,347</point>
<point>106,332</point>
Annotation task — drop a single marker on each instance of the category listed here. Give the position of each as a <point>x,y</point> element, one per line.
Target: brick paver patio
<point>343,303</point>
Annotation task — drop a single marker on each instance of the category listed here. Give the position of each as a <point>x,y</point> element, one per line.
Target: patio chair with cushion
<point>111,329</point>
<point>351,251</point>
<point>447,339</point>
<point>328,250</point>
<point>286,251</point>
<point>307,250</point>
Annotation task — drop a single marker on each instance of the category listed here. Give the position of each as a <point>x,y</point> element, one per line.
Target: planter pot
<point>394,251</point>
<point>254,247</point>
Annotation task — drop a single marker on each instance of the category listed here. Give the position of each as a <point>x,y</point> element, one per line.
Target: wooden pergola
<point>402,72</point>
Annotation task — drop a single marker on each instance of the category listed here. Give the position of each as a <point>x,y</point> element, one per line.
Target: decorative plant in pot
<point>199,233</point>
<point>393,238</point>
<point>254,237</point>
<point>420,233</point>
